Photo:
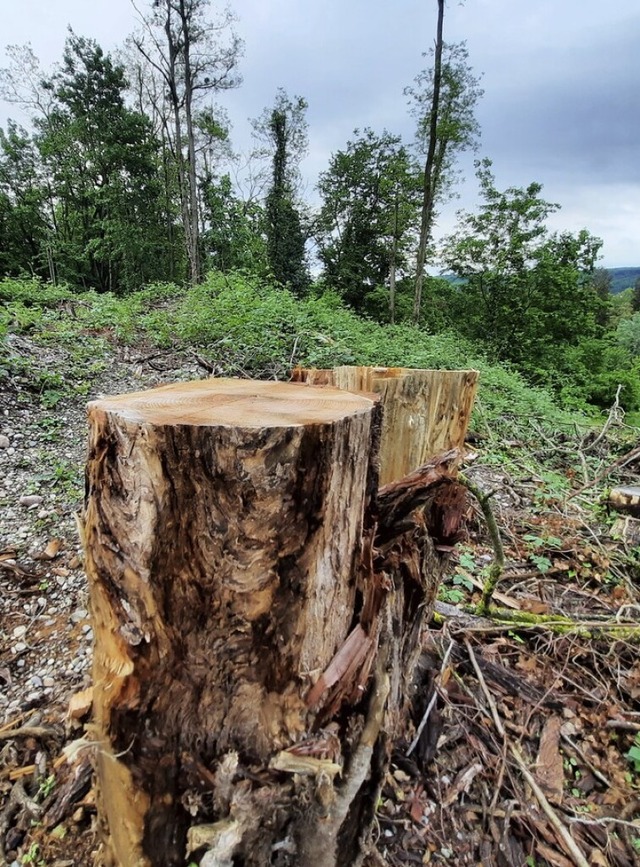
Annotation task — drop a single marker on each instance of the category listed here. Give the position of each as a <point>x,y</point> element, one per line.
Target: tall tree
<point>148,94</point>
<point>283,132</point>
<point>366,224</point>
<point>526,292</point>
<point>635,298</point>
<point>23,82</point>
<point>100,158</point>
<point>443,100</point>
<point>186,49</point>
<point>24,228</point>
<point>234,237</point>
<point>602,281</point>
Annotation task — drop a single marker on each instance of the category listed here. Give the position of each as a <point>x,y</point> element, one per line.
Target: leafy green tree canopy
<point>524,290</point>
<point>101,159</point>
<point>369,215</point>
<point>443,100</point>
<point>23,224</point>
<point>283,131</point>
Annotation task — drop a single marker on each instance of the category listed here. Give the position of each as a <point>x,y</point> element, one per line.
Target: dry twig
<point>431,705</point>
<point>570,844</point>
<point>483,686</point>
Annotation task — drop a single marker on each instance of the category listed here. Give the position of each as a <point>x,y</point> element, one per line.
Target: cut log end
<point>234,403</point>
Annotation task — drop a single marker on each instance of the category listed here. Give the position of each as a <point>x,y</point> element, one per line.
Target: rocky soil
<point>45,635</point>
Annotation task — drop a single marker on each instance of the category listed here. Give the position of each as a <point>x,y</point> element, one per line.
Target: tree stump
<point>253,637</point>
<point>426,412</point>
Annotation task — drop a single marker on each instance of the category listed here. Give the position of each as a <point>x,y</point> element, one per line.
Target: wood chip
<point>553,856</point>
<point>305,765</point>
<point>80,703</point>
<point>51,551</point>
<point>549,771</point>
<point>461,783</point>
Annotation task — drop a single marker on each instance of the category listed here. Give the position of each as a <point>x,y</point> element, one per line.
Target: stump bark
<point>426,412</point>
<point>257,607</point>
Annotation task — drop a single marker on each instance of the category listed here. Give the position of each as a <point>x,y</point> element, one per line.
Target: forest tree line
<point>126,175</point>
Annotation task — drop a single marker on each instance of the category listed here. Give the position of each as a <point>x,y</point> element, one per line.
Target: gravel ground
<point>45,631</point>
<point>45,650</point>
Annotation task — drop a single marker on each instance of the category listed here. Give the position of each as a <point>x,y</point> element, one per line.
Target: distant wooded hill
<point>622,278</point>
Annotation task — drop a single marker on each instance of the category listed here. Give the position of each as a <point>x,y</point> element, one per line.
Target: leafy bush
<point>246,326</point>
<point>592,372</point>
<point>628,334</point>
<point>33,292</point>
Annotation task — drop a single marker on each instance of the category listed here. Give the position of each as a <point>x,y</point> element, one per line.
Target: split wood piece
<point>223,531</point>
<point>628,530</point>
<point>425,411</point>
<point>67,795</point>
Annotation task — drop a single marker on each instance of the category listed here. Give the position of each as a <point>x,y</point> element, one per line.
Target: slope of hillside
<point>623,278</point>
<point>565,691</point>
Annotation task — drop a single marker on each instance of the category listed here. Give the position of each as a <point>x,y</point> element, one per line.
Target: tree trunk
<point>426,412</point>
<point>429,183</point>
<point>194,210</point>
<point>392,265</point>
<point>253,639</point>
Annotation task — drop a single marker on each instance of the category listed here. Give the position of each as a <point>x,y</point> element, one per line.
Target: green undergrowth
<point>247,328</point>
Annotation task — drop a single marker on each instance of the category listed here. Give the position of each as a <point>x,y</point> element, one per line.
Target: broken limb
<point>319,844</point>
<point>497,567</point>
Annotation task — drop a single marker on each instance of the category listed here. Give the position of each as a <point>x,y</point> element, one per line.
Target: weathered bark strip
<point>425,411</point>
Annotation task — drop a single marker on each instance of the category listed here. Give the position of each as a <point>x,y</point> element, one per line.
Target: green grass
<point>248,328</point>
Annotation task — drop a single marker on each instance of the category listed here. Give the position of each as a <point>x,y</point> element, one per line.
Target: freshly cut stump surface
<point>223,532</point>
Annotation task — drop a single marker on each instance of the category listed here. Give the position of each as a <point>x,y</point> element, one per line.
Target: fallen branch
<point>506,680</point>
<point>498,619</point>
<point>570,844</point>
<point>483,686</point>
<point>620,462</point>
<point>29,732</point>
<point>623,725</point>
<point>432,702</point>
<point>583,756</point>
<point>320,846</point>
<point>497,567</point>
<point>616,415</point>
<point>18,799</point>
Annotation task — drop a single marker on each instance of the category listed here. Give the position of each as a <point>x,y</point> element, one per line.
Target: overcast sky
<point>561,81</point>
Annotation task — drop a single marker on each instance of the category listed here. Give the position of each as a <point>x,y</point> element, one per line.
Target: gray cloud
<point>562,85</point>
